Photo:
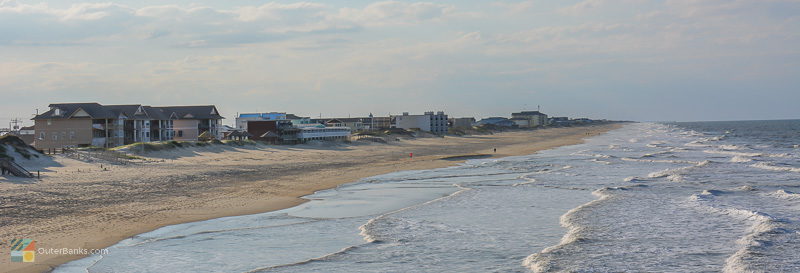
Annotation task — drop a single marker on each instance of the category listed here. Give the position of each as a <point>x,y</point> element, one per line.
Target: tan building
<point>93,124</point>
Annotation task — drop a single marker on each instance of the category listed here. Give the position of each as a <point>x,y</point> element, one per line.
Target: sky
<point>666,60</point>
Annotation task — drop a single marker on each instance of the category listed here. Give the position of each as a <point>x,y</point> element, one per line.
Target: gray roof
<point>529,113</point>
<point>67,109</point>
<point>98,111</point>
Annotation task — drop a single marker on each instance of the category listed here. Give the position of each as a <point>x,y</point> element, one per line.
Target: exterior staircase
<point>14,168</point>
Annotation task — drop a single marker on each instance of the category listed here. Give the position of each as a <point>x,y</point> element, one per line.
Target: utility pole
<point>16,122</point>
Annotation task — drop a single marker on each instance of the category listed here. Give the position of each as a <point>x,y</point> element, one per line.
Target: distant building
<point>536,118</point>
<point>522,122</point>
<point>356,124</point>
<point>243,118</point>
<point>581,120</point>
<point>377,123</point>
<point>462,122</point>
<point>260,129</point>
<point>26,134</point>
<point>93,124</point>
<point>559,121</point>
<point>498,121</point>
<point>298,119</point>
<point>428,122</point>
<point>309,133</point>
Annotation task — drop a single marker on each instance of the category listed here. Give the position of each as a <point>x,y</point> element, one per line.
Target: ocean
<point>649,197</point>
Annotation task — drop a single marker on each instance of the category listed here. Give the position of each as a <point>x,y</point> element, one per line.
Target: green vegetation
<point>19,146</point>
<point>173,144</point>
<point>238,142</point>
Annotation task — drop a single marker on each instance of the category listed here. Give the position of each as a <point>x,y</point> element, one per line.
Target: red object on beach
<point>411,155</point>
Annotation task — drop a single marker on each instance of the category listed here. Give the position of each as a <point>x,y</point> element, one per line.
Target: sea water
<point>649,197</point>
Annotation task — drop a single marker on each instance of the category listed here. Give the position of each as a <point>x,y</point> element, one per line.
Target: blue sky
<point>624,59</point>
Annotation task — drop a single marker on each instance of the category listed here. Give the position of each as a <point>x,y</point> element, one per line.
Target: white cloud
<point>516,7</point>
<point>200,26</point>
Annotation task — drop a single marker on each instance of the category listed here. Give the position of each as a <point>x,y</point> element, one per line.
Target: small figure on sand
<point>495,150</point>
<point>410,155</point>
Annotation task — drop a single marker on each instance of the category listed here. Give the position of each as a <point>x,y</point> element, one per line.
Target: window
<point>147,134</point>
<point>41,135</point>
<point>55,136</point>
<point>49,122</point>
<point>180,133</point>
<point>71,135</point>
<point>56,112</point>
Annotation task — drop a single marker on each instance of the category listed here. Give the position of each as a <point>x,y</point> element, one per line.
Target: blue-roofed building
<point>243,118</point>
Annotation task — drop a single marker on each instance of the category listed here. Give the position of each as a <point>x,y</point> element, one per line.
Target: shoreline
<point>264,179</point>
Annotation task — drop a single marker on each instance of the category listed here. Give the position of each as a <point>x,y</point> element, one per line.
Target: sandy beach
<point>79,204</point>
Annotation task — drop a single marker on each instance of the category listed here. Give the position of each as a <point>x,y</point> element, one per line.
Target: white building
<point>536,118</point>
<point>429,122</point>
<point>307,133</point>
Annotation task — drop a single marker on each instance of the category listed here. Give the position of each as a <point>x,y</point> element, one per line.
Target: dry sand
<point>77,204</point>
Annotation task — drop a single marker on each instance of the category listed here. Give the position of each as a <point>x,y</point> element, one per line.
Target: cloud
<point>199,26</point>
<point>516,7</point>
<point>395,13</point>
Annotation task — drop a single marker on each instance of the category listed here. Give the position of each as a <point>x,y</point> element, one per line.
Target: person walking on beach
<point>495,150</point>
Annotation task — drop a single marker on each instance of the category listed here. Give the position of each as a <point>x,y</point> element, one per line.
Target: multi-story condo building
<point>93,124</point>
<point>429,122</point>
<point>535,118</point>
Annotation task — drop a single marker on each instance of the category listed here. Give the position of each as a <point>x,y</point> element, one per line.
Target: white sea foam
<point>655,144</point>
<point>676,174</point>
<point>370,237</point>
<point>541,262</point>
<point>654,154</point>
<point>595,160</point>
<point>528,180</point>
<point>697,143</point>
<point>730,147</point>
<point>634,179</point>
<point>762,228</point>
<point>661,161</point>
<point>783,194</point>
<point>767,166</point>
<point>723,152</point>
<point>740,159</point>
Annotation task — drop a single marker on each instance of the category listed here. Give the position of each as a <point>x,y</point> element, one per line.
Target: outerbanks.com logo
<point>24,250</point>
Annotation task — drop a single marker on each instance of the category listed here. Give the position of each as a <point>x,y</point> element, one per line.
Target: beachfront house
<point>497,121</point>
<point>376,123</point>
<point>535,118</point>
<point>320,132</point>
<point>559,121</point>
<point>93,124</point>
<point>243,118</point>
<point>522,122</point>
<point>428,122</point>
